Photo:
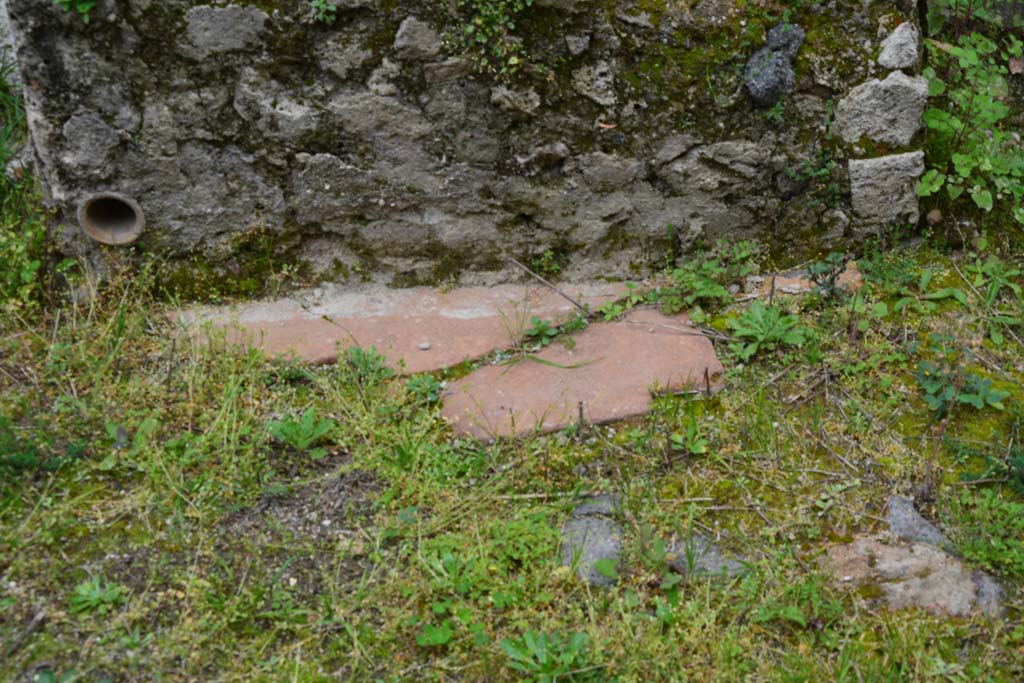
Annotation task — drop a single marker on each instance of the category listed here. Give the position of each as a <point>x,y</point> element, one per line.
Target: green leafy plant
<point>955,17</point>
<point>776,114</point>
<point>867,312</point>
<point>18,454</point>
<point>12,113</point>
<point>489,35</point>
<point>97,596</point>
<point>698,283</point>
<point>435,636</point>
<point>765,328</point>
<point>551,657</point>
<point>324,11</point>
<point>425,388</point>
<point>302,433</point>
<point>943,389</point>
<point>23,236</point>
<point>368,366</point>
<point>692,440</point>
<point>996,282</point>
<point>611,310</point>
<point>972,149</point>
<point>522,542</point>
<point>990,528</point>
<point>825,275</point>
<point>815,174</point>
<point>921,298</point>
<point>48,675</point>
<point>541,331</point>
<point>80,7</point>
<point>806,604</point>
<point>547,264</point>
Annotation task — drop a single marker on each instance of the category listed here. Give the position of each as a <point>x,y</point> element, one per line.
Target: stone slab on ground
<point>613,369</point>
<point>914,575</point>
<point>591,535</point>
<point>424,327</point>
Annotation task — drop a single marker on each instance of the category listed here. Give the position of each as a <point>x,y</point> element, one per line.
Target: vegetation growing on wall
<point>22,229</point>
<point>80,7</point>
<point>490,35</point>
<point>974,143</point>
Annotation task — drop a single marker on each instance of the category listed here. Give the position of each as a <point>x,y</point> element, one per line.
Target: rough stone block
<point>889,111</point>
<point>884,189</point>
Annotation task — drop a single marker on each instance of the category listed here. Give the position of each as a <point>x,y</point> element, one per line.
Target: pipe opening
<point>111,218</point>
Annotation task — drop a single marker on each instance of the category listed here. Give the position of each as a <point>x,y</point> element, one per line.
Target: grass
<point>141,473</point>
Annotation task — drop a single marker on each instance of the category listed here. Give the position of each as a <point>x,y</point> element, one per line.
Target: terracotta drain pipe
<point>111,218</point>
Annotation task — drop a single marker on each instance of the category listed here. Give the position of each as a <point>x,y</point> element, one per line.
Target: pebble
<point>424,346</point>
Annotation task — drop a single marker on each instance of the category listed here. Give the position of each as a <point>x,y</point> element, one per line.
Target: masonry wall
<point>372,148</point>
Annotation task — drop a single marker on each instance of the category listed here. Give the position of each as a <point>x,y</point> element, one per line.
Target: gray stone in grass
<point>698,556</point>
<point>589,536</point>
<point>907,524</point>
<point>602,504</point>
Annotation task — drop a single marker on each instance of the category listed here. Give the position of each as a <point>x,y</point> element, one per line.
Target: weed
<point>547,264</point>
<point>48,675</point>
<point>551,657</point>
<point>807,605</point>
<point>12,113</point>
<point>990,528</point>
<point>697,284</point>
<point>825,275</point>
<point>542,332</point>
<point>971,149</point>
<point>80,7</point>
<point>700,283</point>
<point>765,328</point>
<point>693,441</point>
<point>425,388</point>
<point>519,543</point>
<point>324,11</point>
<point>956,17</point>
<point>489,35</point>
<point>23,235</point>
<point>575,324</point>
<point>614,309</point>
<point>995,281</point>
<point>815,173</point>
<point>944,388</point>
<point>302,433</point>
<point>776,114</point>
<point>368,367</point>
<point>97,596</point>
<point>20,455</point>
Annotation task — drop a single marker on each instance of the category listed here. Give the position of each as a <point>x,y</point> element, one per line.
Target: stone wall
<point>371,148</point>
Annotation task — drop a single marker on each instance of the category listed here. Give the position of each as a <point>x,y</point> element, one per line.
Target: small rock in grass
<point>698,556</point>
<point>589,537</point>
<point>914,576</point>
<point>907,524</point>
